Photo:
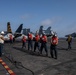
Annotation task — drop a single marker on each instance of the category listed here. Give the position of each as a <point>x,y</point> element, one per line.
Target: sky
<point>59,14</point>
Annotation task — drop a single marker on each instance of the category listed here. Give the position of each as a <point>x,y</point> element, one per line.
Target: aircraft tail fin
<point>41,30</point>
<point>26,31</point>
<point>9,28</point>
<point>48,30</point>
<point>19,29</point>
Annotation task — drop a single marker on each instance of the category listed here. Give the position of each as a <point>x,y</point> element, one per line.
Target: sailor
<point>36,44</point>
<point>11,38</point>
<point>30,38</point>
<point>44,44</point>
<point>1,43</point>
<point>69,40</point>
<point>24,42</point>
<point>54,43</point>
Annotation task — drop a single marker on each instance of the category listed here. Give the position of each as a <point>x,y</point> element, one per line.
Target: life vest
<point>1,39</point>
<point>44,38</point>
<point>24,39</point>
<point>69,39</point>
<point>37,37</point>
<point>54,40</point>
<point>30,36</point>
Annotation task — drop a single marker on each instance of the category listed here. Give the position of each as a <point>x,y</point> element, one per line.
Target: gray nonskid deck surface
<point>30,63</point>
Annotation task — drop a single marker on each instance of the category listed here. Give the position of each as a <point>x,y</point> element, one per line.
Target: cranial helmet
<point>2,32</point>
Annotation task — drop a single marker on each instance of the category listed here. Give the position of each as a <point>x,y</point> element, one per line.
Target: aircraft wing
<point>20,37</point>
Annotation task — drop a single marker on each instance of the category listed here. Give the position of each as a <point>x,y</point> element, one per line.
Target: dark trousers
<point>69,45</point>
<point>44,45</point>
<point>53,51</point>
<point>30,44</point>
<point>23,44</point>
<point>36,45</point>
<point>1,49</point>
<point>11,41</point>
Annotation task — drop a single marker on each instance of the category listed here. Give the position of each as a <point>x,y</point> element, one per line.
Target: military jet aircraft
<point>9,32</point>
<point>48,31</point>
<point>72,34</point>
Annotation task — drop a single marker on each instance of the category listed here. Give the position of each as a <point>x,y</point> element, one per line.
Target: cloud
<point>47,22</point>
<point>52,21</point>
<point>26,16</point>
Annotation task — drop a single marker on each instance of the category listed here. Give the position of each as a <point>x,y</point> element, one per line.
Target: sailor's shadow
<point>31,52</point>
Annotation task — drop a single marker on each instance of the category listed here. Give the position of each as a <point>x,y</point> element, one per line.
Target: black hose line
<point>16,63</point>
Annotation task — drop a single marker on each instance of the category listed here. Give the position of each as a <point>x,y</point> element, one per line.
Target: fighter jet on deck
<point>73,35</point>
<point>48,31</point>
<point>9,31</point>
